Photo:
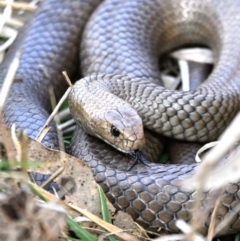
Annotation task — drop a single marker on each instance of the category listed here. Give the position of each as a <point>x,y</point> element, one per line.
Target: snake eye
<point>115,132</point>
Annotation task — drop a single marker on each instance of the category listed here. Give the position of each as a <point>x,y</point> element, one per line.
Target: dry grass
<point>206,176</point>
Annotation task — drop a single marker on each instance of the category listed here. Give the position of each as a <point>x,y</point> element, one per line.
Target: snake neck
<point>191,116</point>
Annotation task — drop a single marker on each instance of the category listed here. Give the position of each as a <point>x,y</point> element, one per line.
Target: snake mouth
<point>128,152</point>
<point>138,157</point>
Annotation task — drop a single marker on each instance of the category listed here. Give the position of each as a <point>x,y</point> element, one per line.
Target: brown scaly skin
<point>190,116</point>
<point>116,37</point>
<point>49,45</point>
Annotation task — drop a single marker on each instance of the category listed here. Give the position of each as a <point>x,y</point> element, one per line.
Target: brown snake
<point>121,46</point>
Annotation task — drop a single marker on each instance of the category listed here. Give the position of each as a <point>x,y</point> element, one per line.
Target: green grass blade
<point>80,231</point>
<point>104,208</point>
<point>74,226</point>
<point>36,192</point>
<point>163,159</point>
<point>69,238</point>
<point>237,237</point>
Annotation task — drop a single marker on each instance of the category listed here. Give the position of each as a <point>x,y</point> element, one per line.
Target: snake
<point>120,45</point>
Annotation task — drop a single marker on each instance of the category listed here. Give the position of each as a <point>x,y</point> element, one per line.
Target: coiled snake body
<point>121,44</point>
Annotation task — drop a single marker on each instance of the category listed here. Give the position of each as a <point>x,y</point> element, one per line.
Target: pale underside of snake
<point>120,50</point>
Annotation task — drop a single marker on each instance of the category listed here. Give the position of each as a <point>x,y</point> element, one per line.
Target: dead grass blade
<point>9,79</point>
<point>3,95</point>
<point>7,12</point>
<point>107,226</point>
<point>50,118</point>
<point>19,5</point>
<point>52,177</point>
<point>214,166</point>
<point>200,55</point>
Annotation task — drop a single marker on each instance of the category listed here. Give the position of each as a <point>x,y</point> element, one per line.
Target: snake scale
<point>121,43</point>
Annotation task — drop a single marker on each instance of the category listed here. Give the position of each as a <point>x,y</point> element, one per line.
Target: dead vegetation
<point>26,218</point>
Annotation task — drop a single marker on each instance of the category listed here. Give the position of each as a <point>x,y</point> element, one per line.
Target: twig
<point>204,148</point>
<point>66,124</point>
<point>56,119</point>
<point>226,220</point>
<point>12,36</point>
<point>52,177</point>
<point>67,78</point>
<point>107,226</point>
<point>69,130</point>
<point>228,140</point>
<point>13,22</point>
<point>184,72</point>
<point>15,143</point>
<point>188,231</point>
<point>9,79</point>
<point>199,55</point>
<point>3,96</point>
<point>7,12</point>
<point>174,237</point>
<point>213,217</point>
<point>21,149</point>
<point>50,118</point>
<point>43,132</point>
<point>64,113</point>
<point>24,150</point>
<point>19,5</point>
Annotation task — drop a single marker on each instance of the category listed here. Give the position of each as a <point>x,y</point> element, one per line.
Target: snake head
<point>104,115</point>
<point>122,128</point>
